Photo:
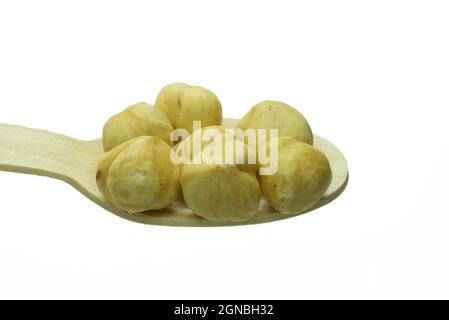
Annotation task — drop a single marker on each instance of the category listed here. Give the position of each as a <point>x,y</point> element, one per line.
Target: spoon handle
<point>39,152</point>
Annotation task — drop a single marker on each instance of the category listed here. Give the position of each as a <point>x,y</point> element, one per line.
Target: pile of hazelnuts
<point>138,173</point>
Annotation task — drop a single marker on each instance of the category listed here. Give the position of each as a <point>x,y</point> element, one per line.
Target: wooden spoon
<point>44,153</point>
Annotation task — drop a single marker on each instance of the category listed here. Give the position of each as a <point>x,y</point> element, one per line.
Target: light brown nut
<point>138,175</point>
<point>140,119</point>
<point>277,115</point>
<point>302,178</point>
<point>183,104</point>
<point>221,192</point>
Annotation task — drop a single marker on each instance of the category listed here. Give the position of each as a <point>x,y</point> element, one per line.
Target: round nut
<point>277,115</point>
<point>138,175</point>
<point>183,104</point>
<point>221,192</point>
<point>302,177</point>
<point>140,119</point>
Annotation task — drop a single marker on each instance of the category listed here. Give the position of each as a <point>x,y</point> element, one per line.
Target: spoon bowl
<point>40,152</point>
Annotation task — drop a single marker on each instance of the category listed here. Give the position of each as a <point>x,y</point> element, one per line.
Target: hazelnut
<point>140,119</point>
<point>183,104</point>
<point>277,115</point>
<point>303,176</point>
<point>138,175</point>
<point>221,192</point>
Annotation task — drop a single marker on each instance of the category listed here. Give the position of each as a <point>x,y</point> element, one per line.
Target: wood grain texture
<point>39,152</point>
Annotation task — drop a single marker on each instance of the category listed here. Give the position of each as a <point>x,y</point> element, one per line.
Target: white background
<point>371,76</point>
